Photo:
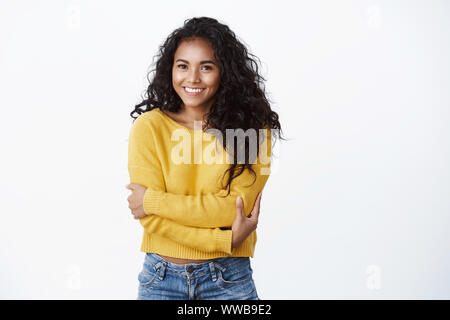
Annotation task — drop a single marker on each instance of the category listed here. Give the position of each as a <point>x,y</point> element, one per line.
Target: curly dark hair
<point>240,99</point>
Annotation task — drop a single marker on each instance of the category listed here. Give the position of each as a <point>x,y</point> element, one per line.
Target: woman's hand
<point>136,200</point>
<point>243,226</point>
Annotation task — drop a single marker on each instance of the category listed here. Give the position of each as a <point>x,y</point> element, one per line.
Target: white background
<point>357,206</point>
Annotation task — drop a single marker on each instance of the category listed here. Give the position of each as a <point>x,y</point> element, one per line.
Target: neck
<point>192,114</point>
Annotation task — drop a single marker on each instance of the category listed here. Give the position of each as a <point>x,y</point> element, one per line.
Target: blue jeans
<point>228,278</point>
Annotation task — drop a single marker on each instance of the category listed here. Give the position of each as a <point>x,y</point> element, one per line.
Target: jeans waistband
<point>196,269</point>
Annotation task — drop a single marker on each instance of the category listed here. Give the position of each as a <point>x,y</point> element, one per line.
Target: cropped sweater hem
<point>156,244</point>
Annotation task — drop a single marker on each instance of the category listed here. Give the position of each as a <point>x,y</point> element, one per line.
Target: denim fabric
<point>228,278</point>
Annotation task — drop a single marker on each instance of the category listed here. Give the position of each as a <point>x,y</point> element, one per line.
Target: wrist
<point>152,201</point>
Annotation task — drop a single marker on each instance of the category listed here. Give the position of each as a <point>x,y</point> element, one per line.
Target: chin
<point>192,105</point>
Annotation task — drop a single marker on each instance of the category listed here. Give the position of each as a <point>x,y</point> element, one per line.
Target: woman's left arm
<point>210,210</point>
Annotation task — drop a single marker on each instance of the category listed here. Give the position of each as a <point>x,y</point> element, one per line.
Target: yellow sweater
<point>187,217</point>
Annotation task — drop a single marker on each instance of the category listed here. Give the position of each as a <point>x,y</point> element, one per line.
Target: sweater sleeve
<point>144,169</point>
<point>214,209</point>
<point>219,240</point>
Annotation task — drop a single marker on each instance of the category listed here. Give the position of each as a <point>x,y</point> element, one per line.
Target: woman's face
<point>195,67</point>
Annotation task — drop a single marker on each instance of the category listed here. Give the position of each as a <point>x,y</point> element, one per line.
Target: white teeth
<point>192,90</point>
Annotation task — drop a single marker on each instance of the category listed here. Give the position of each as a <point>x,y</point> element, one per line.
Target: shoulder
<point>150,120</point>
<point>146,125</point>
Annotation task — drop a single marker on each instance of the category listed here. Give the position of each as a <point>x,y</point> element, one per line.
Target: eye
<point>183,65</point>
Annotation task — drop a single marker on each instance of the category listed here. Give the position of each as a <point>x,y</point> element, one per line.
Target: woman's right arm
<point>220,240</point>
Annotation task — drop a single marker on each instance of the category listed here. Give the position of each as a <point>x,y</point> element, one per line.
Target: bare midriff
<point>181,261</point>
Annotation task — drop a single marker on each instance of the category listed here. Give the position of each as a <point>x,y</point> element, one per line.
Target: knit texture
<point>189,214</point>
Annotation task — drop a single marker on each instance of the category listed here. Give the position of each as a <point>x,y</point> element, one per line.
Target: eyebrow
<point>201,62</point>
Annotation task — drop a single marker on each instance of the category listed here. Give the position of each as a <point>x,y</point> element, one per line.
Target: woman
<point>198,233</point>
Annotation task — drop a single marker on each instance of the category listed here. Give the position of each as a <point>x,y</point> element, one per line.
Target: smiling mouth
<point>193,91</point>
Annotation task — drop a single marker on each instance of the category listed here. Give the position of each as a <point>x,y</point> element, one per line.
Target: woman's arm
<point>241,228</point>
<point>218,240</point>
<point>208,210</point>
<point>194,237</point>
<point>205,210</point>
<point>151,176</point>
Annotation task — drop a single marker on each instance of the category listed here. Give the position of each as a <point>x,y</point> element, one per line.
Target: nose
<point>193,75</point>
